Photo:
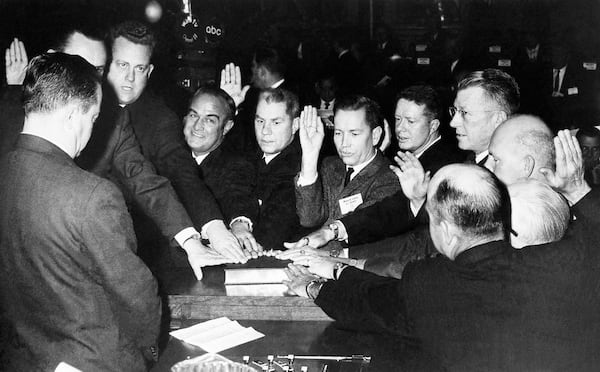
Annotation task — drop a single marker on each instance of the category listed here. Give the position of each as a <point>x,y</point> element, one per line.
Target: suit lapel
<point>363,176</point>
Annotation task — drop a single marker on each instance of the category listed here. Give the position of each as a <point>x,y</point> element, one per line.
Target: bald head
<point>539,214</point>
<point>467,206</point>
<point>520,147</point>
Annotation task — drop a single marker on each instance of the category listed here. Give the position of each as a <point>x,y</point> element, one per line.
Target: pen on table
<point>337,358</point>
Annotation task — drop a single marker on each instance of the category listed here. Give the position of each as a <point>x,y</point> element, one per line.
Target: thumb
<point>291,245</point>
<point>245,90</point>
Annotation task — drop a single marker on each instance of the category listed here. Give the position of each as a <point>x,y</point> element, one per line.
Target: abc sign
<point>212,30</point>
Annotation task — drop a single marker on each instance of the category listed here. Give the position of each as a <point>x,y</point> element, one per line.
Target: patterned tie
<point>349,172</point>
<point>326,104</point>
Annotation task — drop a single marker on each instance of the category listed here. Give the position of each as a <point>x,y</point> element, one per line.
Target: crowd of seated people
<point>468,225</point>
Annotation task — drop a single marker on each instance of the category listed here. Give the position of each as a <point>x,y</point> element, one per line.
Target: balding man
<point>519,148</point>
<point>482,305</point>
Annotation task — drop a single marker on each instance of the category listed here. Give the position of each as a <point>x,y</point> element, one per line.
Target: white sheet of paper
<point>217,335</point>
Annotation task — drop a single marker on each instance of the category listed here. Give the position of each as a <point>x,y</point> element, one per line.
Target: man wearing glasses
<point>485,99</point>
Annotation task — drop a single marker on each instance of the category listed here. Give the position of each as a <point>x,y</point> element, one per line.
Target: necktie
<point>349,172</point>
<point>326,104</point>
<point>556,79</point>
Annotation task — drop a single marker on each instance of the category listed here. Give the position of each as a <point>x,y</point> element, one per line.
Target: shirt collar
<point>418,154</point>
<point>277,84</point>
<point>269,157</point>
<point>361,166</point>
<point>200,158</point>
<point>481,156</point>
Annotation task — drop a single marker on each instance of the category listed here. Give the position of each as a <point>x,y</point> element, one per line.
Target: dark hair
<point>498,86</point>
<point>587,132</point>
<point>87,26</point>
<point>280,95</point>
<point>357,102</point>
<point>54,80</point>
<point>270,59</point>
<point>479,211</point>
<point>134,31</point>
<point>424,95</point>
<point>214,91</point>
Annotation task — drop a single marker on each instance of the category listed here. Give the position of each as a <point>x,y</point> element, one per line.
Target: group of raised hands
<point>311,263</point>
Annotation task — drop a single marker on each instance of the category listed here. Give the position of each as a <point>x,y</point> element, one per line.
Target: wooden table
<point>291,325</point>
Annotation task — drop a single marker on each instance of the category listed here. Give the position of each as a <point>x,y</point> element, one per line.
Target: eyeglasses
<point>453,110</point>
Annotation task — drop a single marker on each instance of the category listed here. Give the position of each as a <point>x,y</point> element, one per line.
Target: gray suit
<point>319,203</point>
<point>71,285</point>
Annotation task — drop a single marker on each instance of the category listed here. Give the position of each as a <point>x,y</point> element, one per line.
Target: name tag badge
<point>590,66</point>
<point>504,63</point>
<point>350,203</point>
<point>572,91</point>
<point>422,61</point>
<point>421,47</point>
<point>495,49</point>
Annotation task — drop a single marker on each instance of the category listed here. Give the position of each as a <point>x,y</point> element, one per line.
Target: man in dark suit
<point>481,305</point>
<point>230,177</point>
<point>268,72</point>
<point>358,177</point>
<point>72,287</point>
<point>158,131</point>
<point>113,151</point>
<point>574,83</point>
<point>278,162</point>
<point>418,113</point>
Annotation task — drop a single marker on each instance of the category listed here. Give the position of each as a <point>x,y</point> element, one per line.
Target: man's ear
<point>150,69</point>
<point>450,239</point>
<point>376,135</point>
<point>499,118</point>
<point>434,125</point>
<point>228,125</point>
<point>295,125</point>
<point>528,165</point>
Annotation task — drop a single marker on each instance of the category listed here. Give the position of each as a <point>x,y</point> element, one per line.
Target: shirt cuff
<point>302,181</point>
<point>185,234</point>
<point>242,219</point>
<point>342,233</point>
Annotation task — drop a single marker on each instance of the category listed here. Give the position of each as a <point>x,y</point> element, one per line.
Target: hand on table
<point>231,82</point>
<point>299,278</point>
<point>315,239</point>
<point>199,256</point>
<point>225,243</point>
<point>244,236</point>
<point>15,59</point>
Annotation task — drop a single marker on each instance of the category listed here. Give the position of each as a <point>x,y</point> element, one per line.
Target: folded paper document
<point>217,335</point>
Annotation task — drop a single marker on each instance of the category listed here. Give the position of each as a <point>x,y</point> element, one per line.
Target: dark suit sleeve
<point>364,301</point>
<point>153,193</point>
<point>110,243</point>
<point>278,219</point>
<point>174,161</point>
<point>11,117</point>
<point>389,217</point>
<point>239,180</point>
<point>410,246</point>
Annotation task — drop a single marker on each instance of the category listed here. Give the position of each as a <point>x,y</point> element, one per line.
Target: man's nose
<point>455,121</point>
<point>266,129</point>
<point>130,75</point>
